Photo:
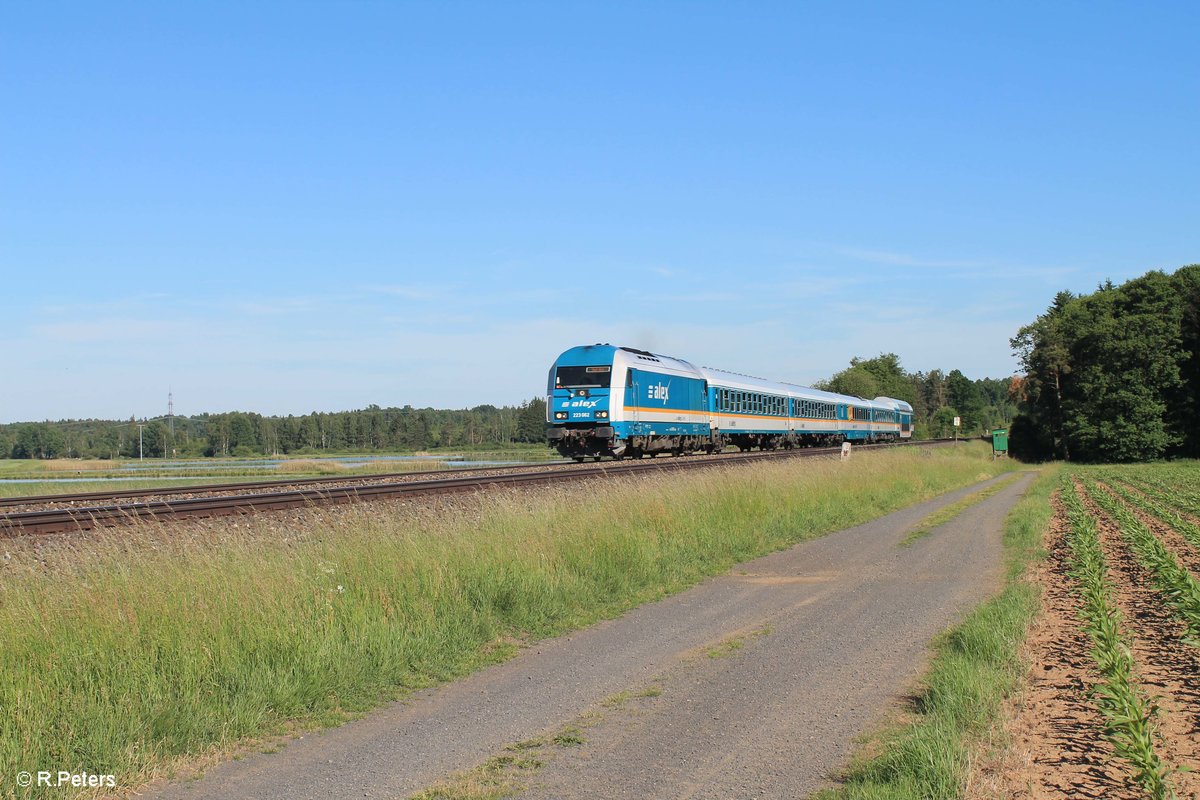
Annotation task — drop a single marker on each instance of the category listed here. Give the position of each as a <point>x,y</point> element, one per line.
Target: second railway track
<point>181,503</point>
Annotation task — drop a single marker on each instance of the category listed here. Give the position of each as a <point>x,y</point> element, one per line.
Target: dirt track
<point>827,636</point>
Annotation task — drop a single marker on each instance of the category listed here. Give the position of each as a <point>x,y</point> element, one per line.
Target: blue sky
<point>287,207</point>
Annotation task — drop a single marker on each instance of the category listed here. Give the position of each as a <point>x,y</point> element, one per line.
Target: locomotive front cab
<point>577,402</point>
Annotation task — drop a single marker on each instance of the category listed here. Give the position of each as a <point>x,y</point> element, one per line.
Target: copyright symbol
<point>24,779</point>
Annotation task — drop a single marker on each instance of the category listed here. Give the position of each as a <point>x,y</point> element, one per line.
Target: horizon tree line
<point>937,397</point>
<point>240,433</point>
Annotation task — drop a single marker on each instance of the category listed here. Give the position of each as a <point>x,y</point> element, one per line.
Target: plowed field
<point>1112,703</point>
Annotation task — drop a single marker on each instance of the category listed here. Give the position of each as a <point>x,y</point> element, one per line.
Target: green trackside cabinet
<point>999,442</point>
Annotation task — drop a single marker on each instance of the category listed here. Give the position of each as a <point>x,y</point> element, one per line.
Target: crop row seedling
<point>1173,581</point>
<point>1176,483</point>
<point>1159,505</point>
<point>1128,714</point>
<point>1170,490</point>
<point>1171,505</point>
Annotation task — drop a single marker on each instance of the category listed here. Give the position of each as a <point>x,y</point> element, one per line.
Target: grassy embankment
<point>124,653</point>
<point>975,666</point>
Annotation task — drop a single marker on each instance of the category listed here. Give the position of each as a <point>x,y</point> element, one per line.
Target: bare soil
<point>1055,747</point>
<point>1054,736</point>
<point>1169,668</point>
<point>1171,538</point>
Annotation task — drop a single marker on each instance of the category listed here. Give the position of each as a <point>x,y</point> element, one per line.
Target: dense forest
<point>1113,375</point>
<point>936,398</point>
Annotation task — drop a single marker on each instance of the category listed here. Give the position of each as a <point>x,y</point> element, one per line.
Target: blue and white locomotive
<point>604,400</point>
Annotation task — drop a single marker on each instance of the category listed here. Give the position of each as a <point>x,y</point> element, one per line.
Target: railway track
<point>181,503</point>
<point>257,486</point>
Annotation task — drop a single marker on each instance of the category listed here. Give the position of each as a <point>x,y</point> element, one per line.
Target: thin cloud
<point>905,260</point>
<point>420,293</point>
<point>957,267</point>
<point>276,307</point>
<point>104,330</point>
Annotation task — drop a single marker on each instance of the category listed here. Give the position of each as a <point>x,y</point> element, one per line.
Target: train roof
<point>612,354</point>
<point>809,393</point>
<point>735,381</point>
<point>590,354</point>
<point>894,404</point>
<point>749,383</point>
<point>644,359</point>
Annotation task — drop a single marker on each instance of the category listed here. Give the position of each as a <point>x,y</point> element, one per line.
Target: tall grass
<point>308,466</point>
<point>423,465</point>
<point>76,465</point>
<point>124,652</point>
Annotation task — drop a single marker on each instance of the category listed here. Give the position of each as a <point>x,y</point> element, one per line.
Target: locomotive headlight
<point>560,415</point>
<point>601,415</point>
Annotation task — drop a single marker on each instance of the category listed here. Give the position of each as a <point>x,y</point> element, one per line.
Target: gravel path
<point>833,632</point>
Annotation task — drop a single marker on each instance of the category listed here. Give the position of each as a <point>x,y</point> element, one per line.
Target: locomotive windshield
<point>582,377</point>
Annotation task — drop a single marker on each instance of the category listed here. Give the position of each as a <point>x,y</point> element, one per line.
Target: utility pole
<point>140,426</point>
<point>170,423</point>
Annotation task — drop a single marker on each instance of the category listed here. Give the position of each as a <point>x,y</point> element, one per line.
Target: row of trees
<point>242,434</point>
<point>937,397</point>
<point>1113,375</point>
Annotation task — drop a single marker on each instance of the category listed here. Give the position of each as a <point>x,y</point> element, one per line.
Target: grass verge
<point>944,515</point>
<point>127,653</point>
<point>511,772</point>
<point>732,645</point>
<point>975,666</point>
